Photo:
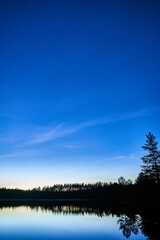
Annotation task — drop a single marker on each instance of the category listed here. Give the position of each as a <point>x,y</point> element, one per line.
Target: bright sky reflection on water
<point>26,223</point>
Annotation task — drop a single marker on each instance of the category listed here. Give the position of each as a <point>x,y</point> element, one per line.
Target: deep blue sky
<point>79,89</point>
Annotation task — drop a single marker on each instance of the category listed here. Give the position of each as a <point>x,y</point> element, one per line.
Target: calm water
<point>66,222</point>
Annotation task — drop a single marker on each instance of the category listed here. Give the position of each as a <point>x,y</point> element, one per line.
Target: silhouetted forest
<point>137,194</point>
<point>143,192</point>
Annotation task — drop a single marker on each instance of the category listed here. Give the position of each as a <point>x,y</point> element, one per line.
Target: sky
<point>79,89</point>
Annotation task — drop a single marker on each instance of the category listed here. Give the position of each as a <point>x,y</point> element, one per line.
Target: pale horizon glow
<point>102,170</point>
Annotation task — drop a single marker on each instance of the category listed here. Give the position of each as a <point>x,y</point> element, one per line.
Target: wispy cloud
<point>70,146</point>
<point>31,136</point>
<point>61,130</point>
<point>122,158</point>
<point>47,135</point>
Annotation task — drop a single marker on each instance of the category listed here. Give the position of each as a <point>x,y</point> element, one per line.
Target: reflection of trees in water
<point>72,209</point>
<point>129,225</point>
<point>148,225</point>
<point>69,208</point>
<point>147,222</point>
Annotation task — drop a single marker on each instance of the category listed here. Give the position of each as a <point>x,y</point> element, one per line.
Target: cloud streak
<point>61,130</point>
<point>25,135</point>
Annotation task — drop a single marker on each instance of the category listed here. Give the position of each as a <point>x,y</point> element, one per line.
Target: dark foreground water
<point>72,222</point>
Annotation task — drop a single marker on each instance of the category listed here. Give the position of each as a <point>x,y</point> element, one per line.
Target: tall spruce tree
<point>151,162</point>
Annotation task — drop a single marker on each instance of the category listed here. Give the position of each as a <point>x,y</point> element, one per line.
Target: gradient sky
<point>79,89</point>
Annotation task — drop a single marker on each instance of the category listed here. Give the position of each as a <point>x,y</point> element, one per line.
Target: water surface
<point>67,222</point>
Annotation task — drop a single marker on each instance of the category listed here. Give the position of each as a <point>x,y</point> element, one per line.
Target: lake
<point>68,222</point>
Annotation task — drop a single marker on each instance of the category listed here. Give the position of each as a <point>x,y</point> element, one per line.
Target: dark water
<point>73,222</point>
